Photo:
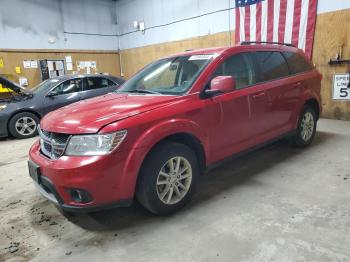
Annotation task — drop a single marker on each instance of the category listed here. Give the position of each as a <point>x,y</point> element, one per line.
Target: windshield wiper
<point>145,91</point>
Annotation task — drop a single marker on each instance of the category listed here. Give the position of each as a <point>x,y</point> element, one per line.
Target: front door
<point>234,130</point>
<point>63,94</point>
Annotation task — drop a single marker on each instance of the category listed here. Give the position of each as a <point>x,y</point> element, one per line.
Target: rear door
<point>272,103</point>
<point>63,94</point>
<point>96,86</point>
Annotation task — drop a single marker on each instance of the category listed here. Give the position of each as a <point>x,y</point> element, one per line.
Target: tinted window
<point>98,82</point>
<point>272,65</point>
<point>297,63</point>
<point>69,86</point>
<point>240,67</point>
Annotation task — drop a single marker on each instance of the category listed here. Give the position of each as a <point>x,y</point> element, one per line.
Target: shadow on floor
<point>229,175</point>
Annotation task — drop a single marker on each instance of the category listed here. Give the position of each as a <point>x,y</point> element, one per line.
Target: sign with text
<point>341,89</point>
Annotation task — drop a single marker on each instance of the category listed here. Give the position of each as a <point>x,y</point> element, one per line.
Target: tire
<point>168,196</point>
<point>306,129</point>
<point>25,121</point>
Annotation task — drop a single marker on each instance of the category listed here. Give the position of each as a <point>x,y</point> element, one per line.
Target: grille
<point>52,144</point>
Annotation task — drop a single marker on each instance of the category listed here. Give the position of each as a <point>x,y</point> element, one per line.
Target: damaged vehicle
<point>22,109</point>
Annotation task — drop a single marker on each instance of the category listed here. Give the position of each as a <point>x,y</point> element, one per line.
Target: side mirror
<point>51,94</point>
<point>221,84</point>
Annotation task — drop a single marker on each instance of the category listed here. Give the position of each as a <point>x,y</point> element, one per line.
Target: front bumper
<point>55,198</point>
<point>109,180</point>
<point>3,126</point>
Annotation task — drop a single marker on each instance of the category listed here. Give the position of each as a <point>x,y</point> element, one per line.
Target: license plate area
<point>34,171</point>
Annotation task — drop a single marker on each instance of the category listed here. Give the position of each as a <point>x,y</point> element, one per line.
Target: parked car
<point>175,118</point>
<point>22,109</point>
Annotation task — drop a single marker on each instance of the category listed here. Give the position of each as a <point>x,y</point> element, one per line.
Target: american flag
<point>285,21</point>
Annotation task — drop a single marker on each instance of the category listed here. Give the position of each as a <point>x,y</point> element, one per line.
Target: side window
<point>239,66</point>
<point>98,82</point>
<point>272,65</point>
<point>297,63</point>
<point>69,86</point>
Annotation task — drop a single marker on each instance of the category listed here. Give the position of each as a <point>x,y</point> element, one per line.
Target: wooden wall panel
<point>107,62</point>
<point>332,34</point>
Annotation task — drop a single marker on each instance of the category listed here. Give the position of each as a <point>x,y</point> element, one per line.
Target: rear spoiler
<point>11,85</point>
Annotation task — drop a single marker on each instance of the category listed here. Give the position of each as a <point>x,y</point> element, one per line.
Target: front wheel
<point>23,125</point>
<point>167,179</point>
<point>306,129</point>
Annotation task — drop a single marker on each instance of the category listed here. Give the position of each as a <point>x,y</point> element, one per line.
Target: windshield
<point>46,85</point>
<point>171,76</point>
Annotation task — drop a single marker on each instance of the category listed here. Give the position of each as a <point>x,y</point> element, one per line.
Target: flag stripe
<point>242,34</point>
<point>276,14</point>
<point>290,19</point>
<point>253,23</point>
<point>247,22</point>
<point>282,20</point>
<point>264,21</point>
<point>237,31</point>
<point>296,22</point>
<point>270,13</point>
<point>310,30</point>
<point>258,21</point>
<point>303,23</point>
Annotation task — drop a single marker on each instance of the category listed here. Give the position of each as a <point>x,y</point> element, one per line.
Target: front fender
<point>149,137</point>
<point>161,130</point>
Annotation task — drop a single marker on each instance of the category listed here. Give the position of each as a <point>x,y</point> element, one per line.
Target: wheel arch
<point>24,110</point>
<point>315,105</point>
<point>189,140</point>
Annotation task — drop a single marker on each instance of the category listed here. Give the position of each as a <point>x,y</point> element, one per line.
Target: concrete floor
<point>276,204</point>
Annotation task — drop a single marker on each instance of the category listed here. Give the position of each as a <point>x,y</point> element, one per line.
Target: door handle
<point>258,95</point>
<point>297,84</point>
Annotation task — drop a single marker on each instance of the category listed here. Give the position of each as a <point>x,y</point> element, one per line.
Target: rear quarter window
<point>272,65</point>
<point>297,63</point>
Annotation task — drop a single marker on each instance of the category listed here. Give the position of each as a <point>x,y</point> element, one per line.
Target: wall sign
<point>30,63</point>
<point>341,91</point>
<point>26,63</point>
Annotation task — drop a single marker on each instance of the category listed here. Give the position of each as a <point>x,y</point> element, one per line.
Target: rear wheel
<point>306,130</point>
<point>23,125</point>
<point>167,179</point>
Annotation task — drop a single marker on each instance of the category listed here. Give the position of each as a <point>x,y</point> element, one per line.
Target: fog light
<point>80,196</point>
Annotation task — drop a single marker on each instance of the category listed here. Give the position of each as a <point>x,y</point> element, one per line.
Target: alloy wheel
<point>25,126</point>
<point>174,180</point>
<point>307,126</point>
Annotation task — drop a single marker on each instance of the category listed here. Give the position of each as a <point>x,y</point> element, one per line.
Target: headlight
<point>2,107</point>
<point>94,145</point>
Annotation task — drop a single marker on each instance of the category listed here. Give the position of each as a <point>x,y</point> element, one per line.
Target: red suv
<point>164,127</point>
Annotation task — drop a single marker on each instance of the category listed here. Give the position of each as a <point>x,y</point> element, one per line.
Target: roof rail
<point>272,43</point>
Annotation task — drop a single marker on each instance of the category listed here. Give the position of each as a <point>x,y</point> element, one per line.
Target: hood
<point>12,85</point>
<point>89,116</point>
